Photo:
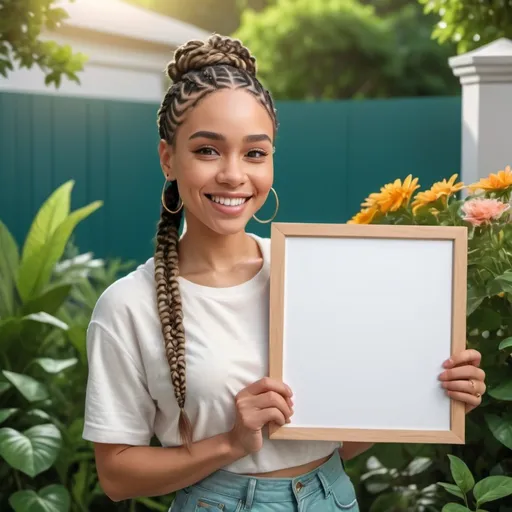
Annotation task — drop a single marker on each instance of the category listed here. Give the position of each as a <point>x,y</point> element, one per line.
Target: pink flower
<point>482,211</point>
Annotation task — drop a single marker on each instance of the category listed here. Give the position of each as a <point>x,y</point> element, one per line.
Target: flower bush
<point>485,210</point>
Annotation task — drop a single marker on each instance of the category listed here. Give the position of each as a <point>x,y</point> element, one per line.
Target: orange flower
<point>364,216</point>
<point>482,211</point>
<point>500,181</point>
<point>441,189</point>
<point>393,195</point>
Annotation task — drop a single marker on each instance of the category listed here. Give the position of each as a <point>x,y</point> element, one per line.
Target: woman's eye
<point>206,151</point>
<point>257,153</point>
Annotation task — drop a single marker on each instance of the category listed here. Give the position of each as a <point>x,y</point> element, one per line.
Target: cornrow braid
<point>198,69</point>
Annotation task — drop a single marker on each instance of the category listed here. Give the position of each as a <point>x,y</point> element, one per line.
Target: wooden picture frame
<point>320,277</point>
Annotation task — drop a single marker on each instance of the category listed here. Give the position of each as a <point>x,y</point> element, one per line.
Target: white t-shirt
<point>129,390</point>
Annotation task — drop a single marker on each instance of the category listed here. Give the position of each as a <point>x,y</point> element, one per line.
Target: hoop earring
<point>275,212</point>
<point>180,202</point>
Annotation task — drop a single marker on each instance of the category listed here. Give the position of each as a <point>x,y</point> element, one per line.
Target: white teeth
<point>229,201</point>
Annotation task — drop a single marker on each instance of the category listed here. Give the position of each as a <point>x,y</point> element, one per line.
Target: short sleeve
<point>118,406</point>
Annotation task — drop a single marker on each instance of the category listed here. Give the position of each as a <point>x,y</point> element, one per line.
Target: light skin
<point>224,149</point>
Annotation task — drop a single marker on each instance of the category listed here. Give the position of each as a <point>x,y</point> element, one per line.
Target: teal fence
<point>330,155</point>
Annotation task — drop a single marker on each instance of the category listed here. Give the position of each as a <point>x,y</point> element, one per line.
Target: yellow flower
<point>393,195</point>
<point>441,189</point>
<point>364,216</point>
<point>500,181</point>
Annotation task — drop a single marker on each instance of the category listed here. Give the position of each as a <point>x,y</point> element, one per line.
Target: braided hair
<point>198,69</point>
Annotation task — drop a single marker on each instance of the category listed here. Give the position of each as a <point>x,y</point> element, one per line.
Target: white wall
<point>116,69</point>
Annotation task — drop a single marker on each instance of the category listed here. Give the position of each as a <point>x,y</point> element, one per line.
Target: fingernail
<point>447,363</point>
<point>288,420</point>
<point>290,390</point>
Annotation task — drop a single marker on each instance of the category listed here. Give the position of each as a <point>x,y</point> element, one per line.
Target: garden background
<point>365,94</point>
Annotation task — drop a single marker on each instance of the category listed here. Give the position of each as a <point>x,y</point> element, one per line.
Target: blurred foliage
<point>311,49</point>
<point>220,16</point>
<point>470,23</point>
<point>21,24</point>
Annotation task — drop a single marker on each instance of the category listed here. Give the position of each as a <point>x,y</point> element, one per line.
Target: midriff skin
<point>292,472</point>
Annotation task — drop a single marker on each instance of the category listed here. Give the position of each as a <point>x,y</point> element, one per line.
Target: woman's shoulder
<point>264,244</point>
<point>129,297</point>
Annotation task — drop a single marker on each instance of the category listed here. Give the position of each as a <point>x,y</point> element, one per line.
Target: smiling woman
<point>188,363</point>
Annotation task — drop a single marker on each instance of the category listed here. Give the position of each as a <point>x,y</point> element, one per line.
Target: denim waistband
<point>274,490</point>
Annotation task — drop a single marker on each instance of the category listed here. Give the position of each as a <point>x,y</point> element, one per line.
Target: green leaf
<point>4,386</point>
<point>9,262</point>
<point>32,451</point>
<point>55,366</point>
<point>35,272</point>
<point>506,343</point>
<point>6,413</point>
<point>502,283</point>
<point>502,392</point>
<point>461,474</point>
<point>474,299</point>
<point>39,414</point>
<point>53,498</point>
<point>492,488</point>
<point>452,489</point>
<point>30,388</point>
<point>455,507</point>
<point>487,319</point>
<point>501,429</point>
<point>49,301</point>
<point>52,213</point>
<point>388,501</point>
<point>45,318</point>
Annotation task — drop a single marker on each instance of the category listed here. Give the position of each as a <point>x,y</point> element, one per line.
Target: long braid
<point>198,69</point>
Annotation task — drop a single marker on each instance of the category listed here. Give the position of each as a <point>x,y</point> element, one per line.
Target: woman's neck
<point>201,250</point>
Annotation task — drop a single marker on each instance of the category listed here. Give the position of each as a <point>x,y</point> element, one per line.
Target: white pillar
<point>486,78</point>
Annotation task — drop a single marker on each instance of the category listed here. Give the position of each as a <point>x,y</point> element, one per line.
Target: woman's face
<point>222,160</point>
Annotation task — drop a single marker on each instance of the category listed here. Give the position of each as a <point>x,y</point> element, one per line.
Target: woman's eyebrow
<point>258,137</point>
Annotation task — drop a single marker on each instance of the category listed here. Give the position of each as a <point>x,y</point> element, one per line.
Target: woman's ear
<point>165,151</point>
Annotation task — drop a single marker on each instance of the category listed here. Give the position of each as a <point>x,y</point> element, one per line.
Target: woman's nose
<point>232,173</point>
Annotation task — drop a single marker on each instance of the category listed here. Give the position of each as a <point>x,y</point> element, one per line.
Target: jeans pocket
<point>343,495</point>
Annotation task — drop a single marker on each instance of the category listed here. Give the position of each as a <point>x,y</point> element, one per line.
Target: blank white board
<point>362,318</point>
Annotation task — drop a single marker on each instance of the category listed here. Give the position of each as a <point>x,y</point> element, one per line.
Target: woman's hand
<point>257,405</point>
<point>463,379</point>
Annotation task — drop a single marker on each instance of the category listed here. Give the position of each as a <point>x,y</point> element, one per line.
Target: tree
<point>21,24</point>
<point>470,23</point>
<point>310,49</point>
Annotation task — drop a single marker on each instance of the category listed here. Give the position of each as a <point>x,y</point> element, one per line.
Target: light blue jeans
<point>326,489</point>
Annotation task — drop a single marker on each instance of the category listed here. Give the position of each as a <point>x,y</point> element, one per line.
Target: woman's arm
<point>131,471</point>
<point>351,450</point>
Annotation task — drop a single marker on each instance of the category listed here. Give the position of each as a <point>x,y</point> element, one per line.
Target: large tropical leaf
<point>9,262</point>
<point>49,301</point>
<point>52,213</point>
<point>54,498</point>
<point>30,388</point>
<point>6,413</point>
<point>32,451</point>
<point>35,272</point>
<point>55,365</point>
<point>45,318</point>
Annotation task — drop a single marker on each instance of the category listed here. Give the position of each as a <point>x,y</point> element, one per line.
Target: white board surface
<point>344,300</point>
